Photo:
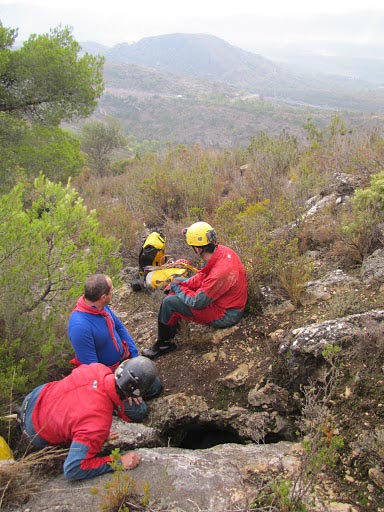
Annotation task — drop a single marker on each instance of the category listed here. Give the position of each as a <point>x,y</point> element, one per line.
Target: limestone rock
<point>303,347</point>
<point>188,480</point>
<point>134,435</point>
<point>238,377</point>
<point>372,268</point>
<point>335,506</point>
<point>176,414</point>
<point>270,395</point>
<point>377,477</point>
<point>316,291</point>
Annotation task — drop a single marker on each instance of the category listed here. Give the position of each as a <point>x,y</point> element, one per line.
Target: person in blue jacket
<point>98,336</point>
<point>96,333</point>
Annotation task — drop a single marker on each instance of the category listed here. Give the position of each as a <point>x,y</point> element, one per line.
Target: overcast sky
<point>249,24</point>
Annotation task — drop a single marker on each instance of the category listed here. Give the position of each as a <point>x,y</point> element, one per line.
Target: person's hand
<point>130,460</point>
<point>134,400</point>
<point>112,436</point>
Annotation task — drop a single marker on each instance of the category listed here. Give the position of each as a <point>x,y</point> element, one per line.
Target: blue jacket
<point>92,342</point>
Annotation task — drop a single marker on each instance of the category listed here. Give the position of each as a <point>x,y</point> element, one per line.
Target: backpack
<point>155,272</point>
<point>152,252</point>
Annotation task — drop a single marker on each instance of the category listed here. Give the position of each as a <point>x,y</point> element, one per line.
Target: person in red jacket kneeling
<point>77,411</point>
<point>216,295</point>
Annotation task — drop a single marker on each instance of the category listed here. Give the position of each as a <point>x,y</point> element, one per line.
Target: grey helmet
<point>135,376</point>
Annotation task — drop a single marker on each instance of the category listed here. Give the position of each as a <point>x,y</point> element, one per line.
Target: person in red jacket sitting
<point>216,295</point>
<point>77,411</point>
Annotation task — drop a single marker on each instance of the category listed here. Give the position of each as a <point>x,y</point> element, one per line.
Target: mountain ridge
<point>196,88</point>
<point>207,56</point>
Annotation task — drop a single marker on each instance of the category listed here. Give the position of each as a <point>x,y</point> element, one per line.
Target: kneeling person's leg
<point>154,390</point>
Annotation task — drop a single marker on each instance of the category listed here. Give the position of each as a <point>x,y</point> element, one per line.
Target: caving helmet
<point>200,234</point>
<point>135,376</point>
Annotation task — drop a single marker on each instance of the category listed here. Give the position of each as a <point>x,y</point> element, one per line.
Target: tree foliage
<point>362,228</point>
<point>31,149</point>
<point>43,83</point>
<point>50,244</point>
<point>98,140</point>
<point>45,79</point>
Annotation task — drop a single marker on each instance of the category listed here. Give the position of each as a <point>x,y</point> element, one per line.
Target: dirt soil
<point>199,363</point>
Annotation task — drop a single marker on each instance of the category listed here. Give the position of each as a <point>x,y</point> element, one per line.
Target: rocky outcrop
<point>221,478</point>
<point>177,415</point>
<point>270,395</point>
<point>372,268</point>
<point>322,289</point>
<point>303,347</point>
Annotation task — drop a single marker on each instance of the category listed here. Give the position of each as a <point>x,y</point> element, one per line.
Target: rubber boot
<point>166,332</point>
<point>163,345</point>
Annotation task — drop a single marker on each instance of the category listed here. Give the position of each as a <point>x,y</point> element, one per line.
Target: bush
<point>50,244</point>
<point>362,229</point>
<point>20,479</point>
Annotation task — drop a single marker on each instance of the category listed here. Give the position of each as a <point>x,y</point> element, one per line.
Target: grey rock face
<point>303,347</point>
<point>372,268</point>
<point>218,479</point>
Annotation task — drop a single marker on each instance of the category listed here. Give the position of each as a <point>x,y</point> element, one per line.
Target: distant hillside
<point>191,88</point>
<point>166,107</point>
<point>94,48</point>
<point>206,56</point>
<point>355,68</point>
<point>198,55</point>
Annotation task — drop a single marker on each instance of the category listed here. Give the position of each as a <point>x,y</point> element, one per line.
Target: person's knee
<point>168,306</point>
<point>170,302</point>
<point>154,390</point>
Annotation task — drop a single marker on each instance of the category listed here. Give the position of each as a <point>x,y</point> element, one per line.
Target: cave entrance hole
<point>196,436</point>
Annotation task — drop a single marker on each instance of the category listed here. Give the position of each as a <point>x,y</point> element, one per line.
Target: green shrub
<point>292,269</point>
<point>50,244</point>
<point>362,229</point>
<point>120,493</point>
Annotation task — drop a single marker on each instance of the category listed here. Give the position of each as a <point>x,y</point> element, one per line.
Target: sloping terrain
<point>165,107</point>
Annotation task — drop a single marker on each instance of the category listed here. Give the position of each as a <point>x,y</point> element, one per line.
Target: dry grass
<point>20,479</point>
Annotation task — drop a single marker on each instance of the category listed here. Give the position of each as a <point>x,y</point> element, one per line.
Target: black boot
<point>158,349</point>
<point>163,343</point>
<point>166,332</point>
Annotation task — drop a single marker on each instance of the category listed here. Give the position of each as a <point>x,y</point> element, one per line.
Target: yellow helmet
<point>200,234</point>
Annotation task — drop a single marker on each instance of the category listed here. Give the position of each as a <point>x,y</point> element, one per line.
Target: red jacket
<point>78,410</point>
<point>219,286</point>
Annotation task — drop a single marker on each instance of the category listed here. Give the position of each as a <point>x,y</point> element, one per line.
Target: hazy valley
<point>194,88</point>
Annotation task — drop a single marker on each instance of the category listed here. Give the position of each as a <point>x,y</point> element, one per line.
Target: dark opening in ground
<point>201,437</point>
